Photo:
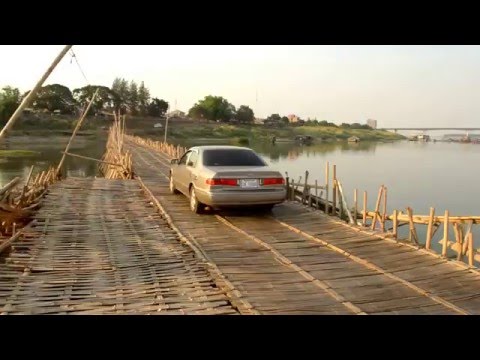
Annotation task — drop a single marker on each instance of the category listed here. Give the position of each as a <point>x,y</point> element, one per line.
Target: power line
<point>74,56</point>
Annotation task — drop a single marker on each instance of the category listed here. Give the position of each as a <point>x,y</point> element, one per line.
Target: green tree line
<point>123,96</point>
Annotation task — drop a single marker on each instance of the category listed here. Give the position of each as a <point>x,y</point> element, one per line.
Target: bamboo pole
<point>60,164</point>
<point>334,188</point>
<point>384,208</point>
<point>355,211</point>
<point>395,224</point>
<point>344,202</point>
<point>428,240</point>
<point>445,235</point>
<point>327,186</point>
<point>364,218</point>
<point>377,207</point>
<point>287,182</point>
<point>413,232</point>
<point>458,240</point>
<point>304,194</point>
<point>316,193</point>
<point>28,99</point>
<point>470,249</point>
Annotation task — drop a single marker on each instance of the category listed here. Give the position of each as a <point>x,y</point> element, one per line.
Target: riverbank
<point>184,130</point>
<point>180,130</point>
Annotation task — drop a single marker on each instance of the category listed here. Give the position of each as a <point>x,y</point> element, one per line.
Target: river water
<point>419,175</point>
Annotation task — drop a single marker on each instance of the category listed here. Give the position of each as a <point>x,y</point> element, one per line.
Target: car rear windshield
<point>231,157</point>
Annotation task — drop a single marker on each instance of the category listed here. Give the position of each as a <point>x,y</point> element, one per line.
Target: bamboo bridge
<point>124,245</point>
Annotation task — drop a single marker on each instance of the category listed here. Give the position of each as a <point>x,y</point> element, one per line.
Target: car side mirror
<point>174,161</point>
<point>190,163</point>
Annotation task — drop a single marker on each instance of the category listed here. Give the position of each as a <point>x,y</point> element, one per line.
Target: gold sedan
<point>226,176</point>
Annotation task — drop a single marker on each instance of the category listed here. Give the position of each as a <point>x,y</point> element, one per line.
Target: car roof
<point>219,147</point>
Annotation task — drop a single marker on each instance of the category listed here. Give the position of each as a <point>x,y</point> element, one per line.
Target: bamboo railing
<point>116,163</point>
<point>174,151</point>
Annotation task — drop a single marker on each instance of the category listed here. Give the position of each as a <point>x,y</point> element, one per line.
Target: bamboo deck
<point>98,247</point>
<point>301,261</point>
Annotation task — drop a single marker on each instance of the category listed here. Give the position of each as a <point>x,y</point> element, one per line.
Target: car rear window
<point>231,157</point>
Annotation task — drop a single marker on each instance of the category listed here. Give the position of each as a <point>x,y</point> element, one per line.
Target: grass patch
<point>18,153</point>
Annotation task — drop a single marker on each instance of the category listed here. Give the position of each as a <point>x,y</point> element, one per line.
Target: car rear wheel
<point>195,205</point>
<point>173,189</point>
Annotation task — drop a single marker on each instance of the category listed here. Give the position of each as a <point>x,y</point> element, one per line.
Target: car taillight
<point>274,181</point>
<point>225,182</point>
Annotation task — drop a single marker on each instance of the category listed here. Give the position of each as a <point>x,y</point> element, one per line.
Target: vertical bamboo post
<point>355,211</point>
<point>384,208</point>
<point>28,99</point>
<point>413,231</point>
<point>292,193</point>
<point>470,249</point>
<point>445,234</point>
<point>60,164</point>
<point>428,240</point>
<point>305,188</point>
<point>334,194</point>
<point>395,224</point>
<point>327,166</point>
<point>316,193</point>
<point>458,238</point>
<point>287,181</point>
<point>364,219</point>
<point>377,207</point>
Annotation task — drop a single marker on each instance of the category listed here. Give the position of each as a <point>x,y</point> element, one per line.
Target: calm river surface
<point>419,175</point>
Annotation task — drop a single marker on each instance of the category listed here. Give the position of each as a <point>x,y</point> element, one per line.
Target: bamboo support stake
<point>287,182</point>
<point>384,208</point>
<point>395,224</point>
<point>364,218</point>
<point>304,194</point>
<point>470,249</point>
<point>316,193</point>
<point>458,240</point>
<point>334,194</point>
<point>355,211</point>
<point>465,239</point>
<point>413,232</point>
<point>28,99</point>
<point>445,235</point>
<point>428,239</point>
<point>60,164</point>
<point>327,186</point>
<point>377,207</point>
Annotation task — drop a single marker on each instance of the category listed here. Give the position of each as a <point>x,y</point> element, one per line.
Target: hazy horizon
<point>399,86</point>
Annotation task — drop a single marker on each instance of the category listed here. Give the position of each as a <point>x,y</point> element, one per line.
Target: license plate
<point>249,183</point>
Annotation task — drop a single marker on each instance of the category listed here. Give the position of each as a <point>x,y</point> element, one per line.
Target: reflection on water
<point>292,151</point>
<point>49,153</point>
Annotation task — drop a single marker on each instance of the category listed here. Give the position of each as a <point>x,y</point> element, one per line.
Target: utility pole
<point>28,99</point>
<point>166,126</point>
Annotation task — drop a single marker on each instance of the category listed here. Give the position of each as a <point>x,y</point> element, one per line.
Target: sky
<point>399,86</point>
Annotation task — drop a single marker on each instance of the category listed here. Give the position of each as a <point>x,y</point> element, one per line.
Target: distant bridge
<point>433,129</point>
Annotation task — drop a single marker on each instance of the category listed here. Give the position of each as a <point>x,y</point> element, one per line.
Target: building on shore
<point>372,123</point>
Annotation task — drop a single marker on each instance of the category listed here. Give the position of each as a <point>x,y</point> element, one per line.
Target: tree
<point>54,97</point>
<point>157,107</point>
<point>120,93</point>
<point>213,108</point>
<point>133,98</point>
<point>9,102</point>
<point>245,114</point>
<point>105,99</point>
<point>143,99</point>
<point>285,120</point>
